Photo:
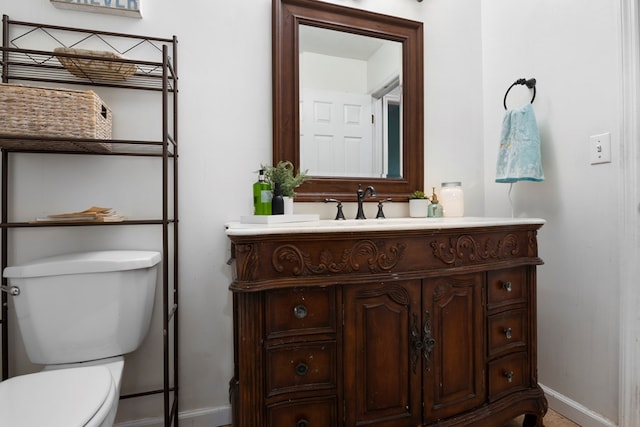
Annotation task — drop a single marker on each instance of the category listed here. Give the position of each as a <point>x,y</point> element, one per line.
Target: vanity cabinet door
<point>453,368</point>
<point>381,369</point>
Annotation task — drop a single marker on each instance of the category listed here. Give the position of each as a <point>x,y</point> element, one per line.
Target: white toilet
<point>78,314</point>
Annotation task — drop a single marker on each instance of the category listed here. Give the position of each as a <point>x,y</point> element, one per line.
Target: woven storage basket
<point>53,113</point>
<point>103,65</point>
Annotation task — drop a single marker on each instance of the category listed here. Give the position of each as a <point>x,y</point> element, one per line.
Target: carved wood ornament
<point>466,249</point>
<point>364,253</point>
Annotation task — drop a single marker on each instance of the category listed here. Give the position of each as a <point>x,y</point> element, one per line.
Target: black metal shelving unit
<point>28,58</point>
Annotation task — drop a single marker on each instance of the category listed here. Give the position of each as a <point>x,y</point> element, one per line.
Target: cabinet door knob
<point>508,333</point>
<point>302,423</point>
<point>300,311</point>
<point>507,286</point>
<point>509,376</point>
<point>302,369</point>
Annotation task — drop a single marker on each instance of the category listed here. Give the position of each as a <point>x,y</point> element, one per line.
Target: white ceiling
<point>338,43</point>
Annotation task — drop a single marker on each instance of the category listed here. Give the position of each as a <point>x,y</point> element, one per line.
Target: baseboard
<point>574,411</point>
<point>206,417</point>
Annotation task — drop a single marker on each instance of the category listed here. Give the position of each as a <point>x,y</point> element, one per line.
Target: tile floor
<point>552,419</point>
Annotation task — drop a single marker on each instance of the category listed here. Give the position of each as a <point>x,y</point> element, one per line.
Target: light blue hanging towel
<point>519,155</point>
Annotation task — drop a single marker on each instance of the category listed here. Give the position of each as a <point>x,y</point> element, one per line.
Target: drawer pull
<point>302,423</point>
<point>507,286</point>
<point>300,311</point>
<point>509,376</point>
<point>508,333</point>
<point>302,369</point>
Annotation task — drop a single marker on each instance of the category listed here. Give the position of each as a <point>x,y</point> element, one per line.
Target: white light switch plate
<point>600,148</point>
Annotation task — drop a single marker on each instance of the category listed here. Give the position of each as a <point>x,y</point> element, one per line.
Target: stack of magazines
<point>93,214</point>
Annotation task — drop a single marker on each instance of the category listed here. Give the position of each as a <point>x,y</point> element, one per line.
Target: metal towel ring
<point>530,83</point>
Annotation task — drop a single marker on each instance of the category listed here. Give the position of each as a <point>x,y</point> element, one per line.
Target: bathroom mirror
<point>348,99</point>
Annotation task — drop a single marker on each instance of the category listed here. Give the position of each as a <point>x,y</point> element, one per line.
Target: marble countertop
<point>384,224</point>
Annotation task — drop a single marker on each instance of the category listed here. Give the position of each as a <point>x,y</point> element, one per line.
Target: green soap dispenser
<point>261,196</point>
<point>434,210</point>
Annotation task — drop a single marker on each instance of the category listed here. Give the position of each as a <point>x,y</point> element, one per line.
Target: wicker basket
<point>102,66</point>
<point>53,113</point>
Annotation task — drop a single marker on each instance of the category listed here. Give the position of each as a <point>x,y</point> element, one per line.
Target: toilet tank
<point>84,306</point>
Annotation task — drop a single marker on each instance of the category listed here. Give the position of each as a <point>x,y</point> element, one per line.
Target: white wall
<point>342,74</point>
<point>572,48</point>
<point>225,134</point>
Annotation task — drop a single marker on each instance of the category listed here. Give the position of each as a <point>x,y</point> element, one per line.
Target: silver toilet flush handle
<point>11,290</point>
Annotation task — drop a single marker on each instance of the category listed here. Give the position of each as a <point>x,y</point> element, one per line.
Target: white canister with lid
<point>452,199</point>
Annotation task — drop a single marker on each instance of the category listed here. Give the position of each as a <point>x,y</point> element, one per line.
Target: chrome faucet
<point>363,194</point>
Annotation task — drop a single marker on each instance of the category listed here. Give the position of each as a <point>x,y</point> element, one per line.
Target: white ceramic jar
<point>452,199</point>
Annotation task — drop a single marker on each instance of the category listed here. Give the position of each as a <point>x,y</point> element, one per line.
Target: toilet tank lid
<point>85,262</point>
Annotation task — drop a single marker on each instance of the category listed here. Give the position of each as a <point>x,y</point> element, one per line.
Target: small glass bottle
<point>435,209</point>
<point>261,196</point>
<point>452,199</point>
<point>277,203</point>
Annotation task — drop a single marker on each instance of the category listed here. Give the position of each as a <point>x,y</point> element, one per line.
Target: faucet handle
<point>380,213</point>
<point>339,214</point>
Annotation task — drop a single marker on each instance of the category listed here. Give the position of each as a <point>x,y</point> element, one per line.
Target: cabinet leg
<point>233,399</point>
<point>531,420</point>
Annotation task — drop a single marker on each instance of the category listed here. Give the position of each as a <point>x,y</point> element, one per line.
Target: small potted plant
<point>284,177</point>
<point>418,204</point>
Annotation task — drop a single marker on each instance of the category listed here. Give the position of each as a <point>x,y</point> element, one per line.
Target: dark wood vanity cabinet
<point>391,328</point>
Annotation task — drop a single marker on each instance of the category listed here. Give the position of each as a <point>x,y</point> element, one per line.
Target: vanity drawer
<point>506,287</point>
<point>320,412</point>
<point>508,374</point>
<point>292,368</point>
<point>507,331</point>
<point>300,311</point>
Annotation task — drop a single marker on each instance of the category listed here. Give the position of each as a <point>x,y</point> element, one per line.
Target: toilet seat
<point>59,398</point>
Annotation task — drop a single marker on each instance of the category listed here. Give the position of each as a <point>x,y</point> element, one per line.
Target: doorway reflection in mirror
<point>350,104</point>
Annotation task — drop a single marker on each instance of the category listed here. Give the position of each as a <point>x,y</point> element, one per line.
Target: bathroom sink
<point>373,224</point>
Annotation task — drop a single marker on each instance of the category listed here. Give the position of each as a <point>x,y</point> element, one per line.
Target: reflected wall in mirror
<point>348,99</point>
<point>350,104</point>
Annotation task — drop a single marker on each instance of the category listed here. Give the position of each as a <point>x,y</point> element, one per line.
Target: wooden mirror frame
<point>287,16</point>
